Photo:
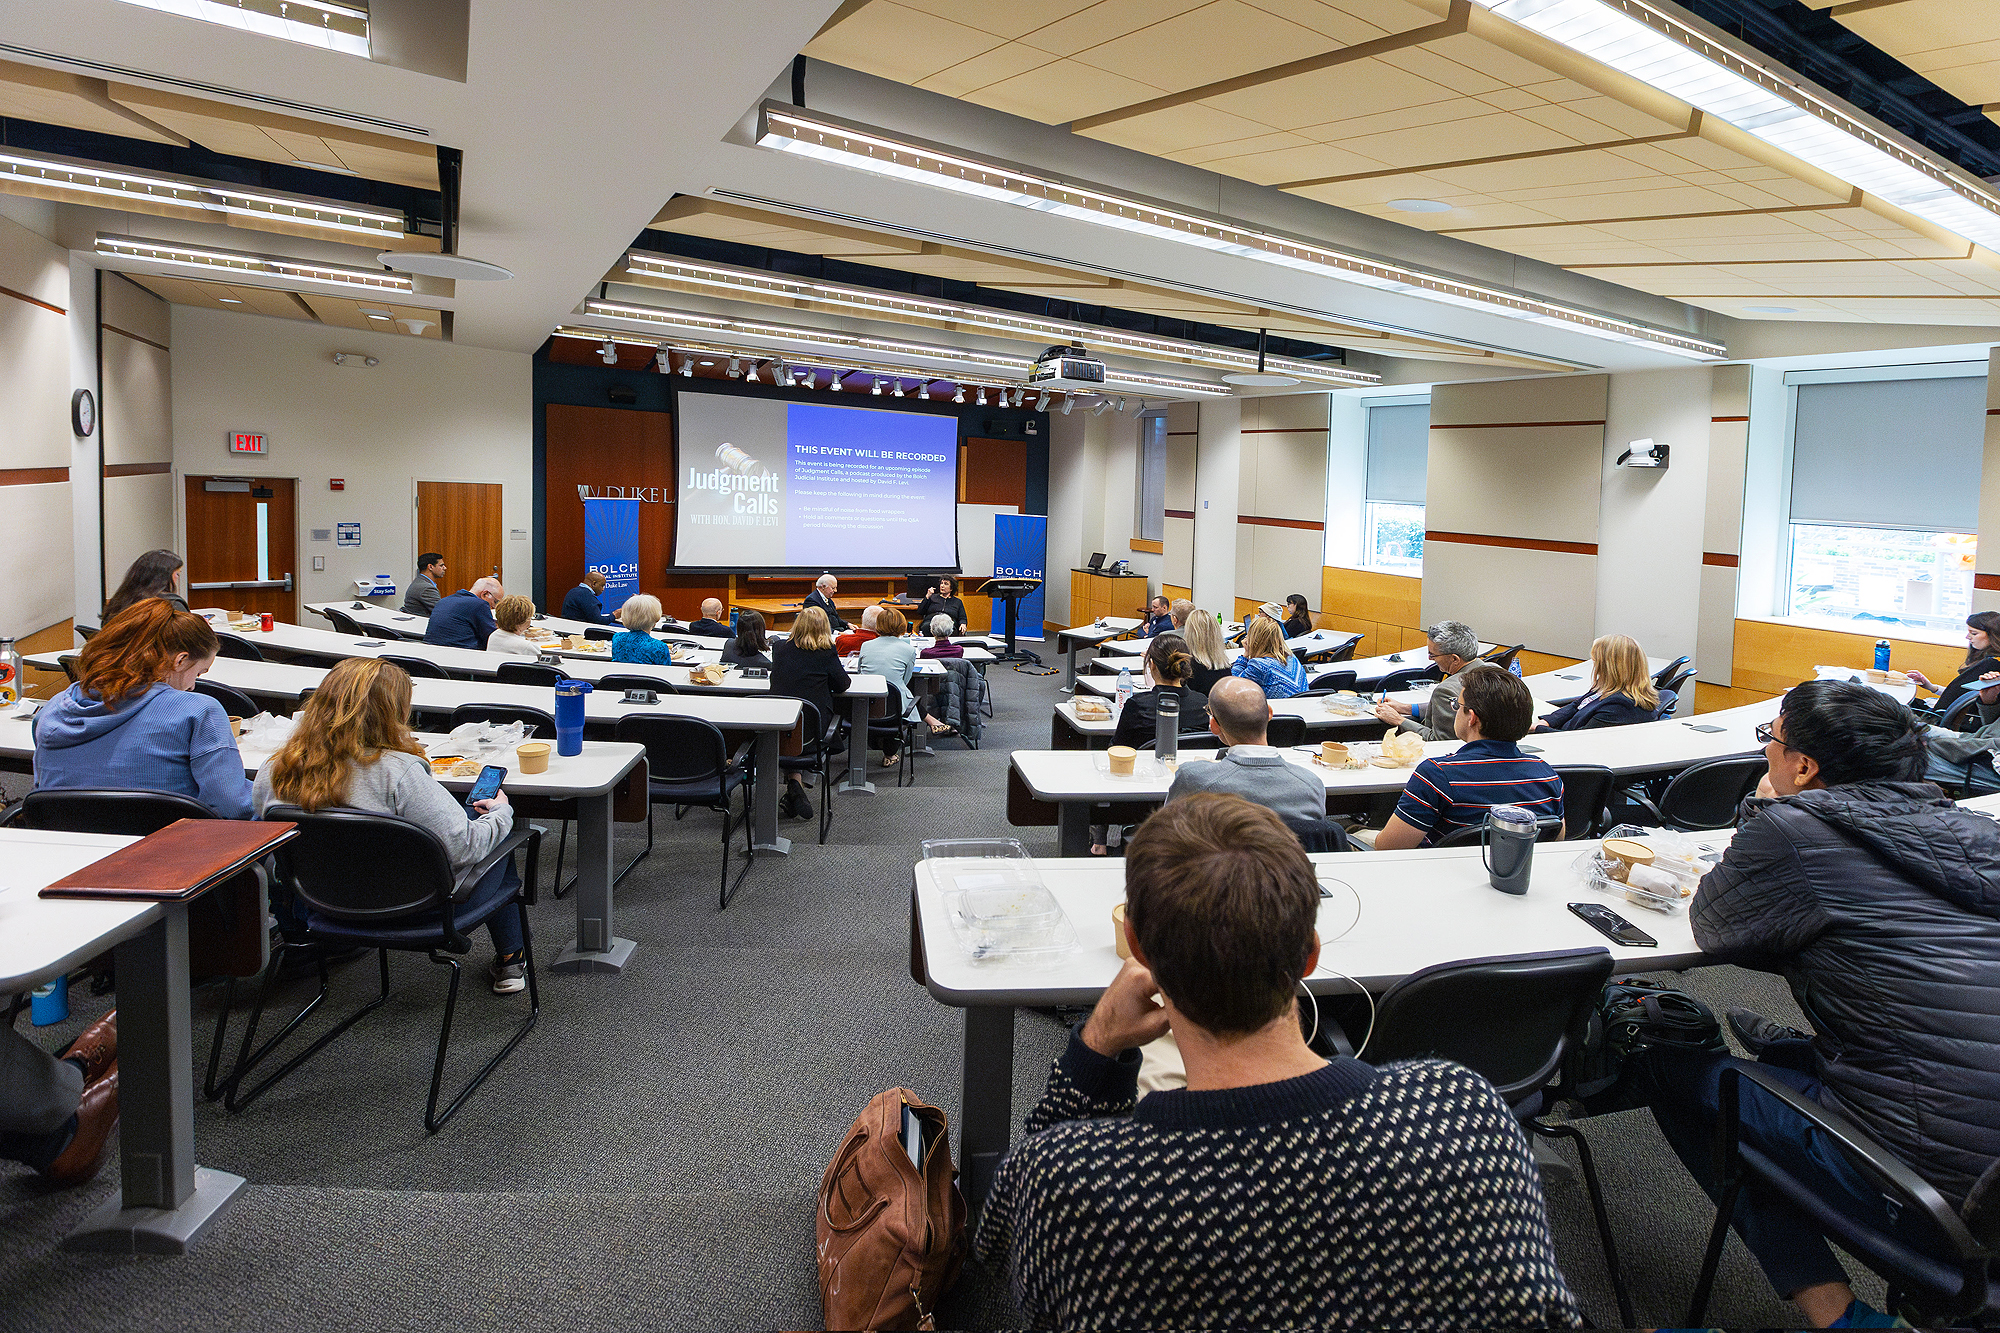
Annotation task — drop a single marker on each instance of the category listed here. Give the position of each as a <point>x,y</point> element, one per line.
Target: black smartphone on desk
<point>1613,926</point>
<point>370,643</point>
<point>488,786</point>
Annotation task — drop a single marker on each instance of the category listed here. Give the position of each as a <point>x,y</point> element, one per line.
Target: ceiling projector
<point>1067,367</point>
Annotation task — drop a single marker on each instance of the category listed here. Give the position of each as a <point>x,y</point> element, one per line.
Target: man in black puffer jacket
<point>1879,901</point>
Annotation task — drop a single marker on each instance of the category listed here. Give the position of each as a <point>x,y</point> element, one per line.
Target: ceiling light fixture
<point>835,377</point>
<point>1419,206</point>
<point>320,23</point>
<point>609,352</point>
<point>1639,39</point>
<point>1103,406</point>
<point>959,397</point>
<point>675,272</point>
<point>687,367</point>
<point>811,134</point>
<point>982,395</point>
<point>749,375</point>
<point>1069,401</point>
<point>1042,403</point>
<point>735,367</point>
<point>101,184</point>
<point>898,391</point>
<point>415,327</point>
<point>1259,378</point>
<point>664,360</point>
<point>827,341</point>
<point>924,391</point>
<point>1771,309</point>
<point>230,300</point>
<point>238,264</point>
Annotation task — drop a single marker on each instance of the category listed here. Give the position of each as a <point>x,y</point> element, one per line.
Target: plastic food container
<point>1679,862</point>
<point>999,909</point>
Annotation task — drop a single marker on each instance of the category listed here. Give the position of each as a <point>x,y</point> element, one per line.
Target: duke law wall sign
<point>645,494</point>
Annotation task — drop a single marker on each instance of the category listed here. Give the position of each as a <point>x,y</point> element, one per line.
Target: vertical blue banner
<point>611,546</point>
<point>1020,544</point>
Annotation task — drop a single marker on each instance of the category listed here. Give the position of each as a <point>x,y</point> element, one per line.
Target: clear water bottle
<point>10,674</point>
<point>1124,691</point>
<point>1515,666</point>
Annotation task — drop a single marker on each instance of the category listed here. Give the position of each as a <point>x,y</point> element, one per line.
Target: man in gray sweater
<point>1259,773</point>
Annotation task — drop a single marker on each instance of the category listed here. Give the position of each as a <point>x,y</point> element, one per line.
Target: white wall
<point>1218,484</point>
<point>1077,443</point>
<point>431,410</point>
<point>1346,478</point>
<point>1650,524</point>
<point>1121,498</point>
<point>36,559</point>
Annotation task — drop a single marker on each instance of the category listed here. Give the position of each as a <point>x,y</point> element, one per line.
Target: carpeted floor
<point>648,1156</point>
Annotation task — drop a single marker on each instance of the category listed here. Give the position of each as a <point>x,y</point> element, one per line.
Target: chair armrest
<point>12,813</point>
<point>1888,1171</point>
<point>744,749</point>
<point>526,833</point>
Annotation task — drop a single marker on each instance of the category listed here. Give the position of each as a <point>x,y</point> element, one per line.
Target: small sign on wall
<point>248,442</point>
<point>349,534</point>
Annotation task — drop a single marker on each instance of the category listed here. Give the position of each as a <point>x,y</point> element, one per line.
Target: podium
<point>1011,590</point>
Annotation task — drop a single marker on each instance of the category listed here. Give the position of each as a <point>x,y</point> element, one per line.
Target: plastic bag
<point>482,741</point>
<point>265,733</point>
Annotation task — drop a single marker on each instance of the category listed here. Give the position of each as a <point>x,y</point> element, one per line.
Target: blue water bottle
<point>49,1003</point>
<point>569,715</point>
<point>1881,654</point>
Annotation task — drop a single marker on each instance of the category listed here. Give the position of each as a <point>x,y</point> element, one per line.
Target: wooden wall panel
<point>57,638</point>
<point>1385,609</point>
<point>1772,656</point>
<point>603,447</point>
<point>993,472</point>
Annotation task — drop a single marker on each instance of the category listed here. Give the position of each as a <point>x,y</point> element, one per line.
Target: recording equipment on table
<point>1012,589</point>
<point>487,787</point>
<point>1096,564</point>
<point>642,696</point>
<point>1067,366</point>
<point>1122,568</point>
<point>756,673</point>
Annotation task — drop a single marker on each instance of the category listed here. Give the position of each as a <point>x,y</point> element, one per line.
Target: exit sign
<point>247,442</point>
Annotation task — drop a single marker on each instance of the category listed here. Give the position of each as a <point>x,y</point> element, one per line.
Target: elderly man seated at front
<point>1453,648</point>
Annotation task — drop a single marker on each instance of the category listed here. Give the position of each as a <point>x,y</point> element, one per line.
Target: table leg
<point>596,947</point>
<point>986,1101</point>
<point>1069,671</point>
<point>166,1201</point>
<point>1073,828</point>
<point>857,747</point>
<point>765,834</point>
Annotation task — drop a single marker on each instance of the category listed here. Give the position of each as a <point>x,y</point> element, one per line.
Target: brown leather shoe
<point>96,1114</point>
<point>97,1047</point>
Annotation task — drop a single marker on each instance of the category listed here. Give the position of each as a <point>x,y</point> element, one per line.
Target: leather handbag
<point>891,1238</point>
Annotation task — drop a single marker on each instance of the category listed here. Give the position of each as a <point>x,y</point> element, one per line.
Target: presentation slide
<point>765,484</point>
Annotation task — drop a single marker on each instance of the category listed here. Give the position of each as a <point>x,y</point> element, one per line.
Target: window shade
<point>1399,444</point>
<point>1890,454</point>
<point>1152,516</point>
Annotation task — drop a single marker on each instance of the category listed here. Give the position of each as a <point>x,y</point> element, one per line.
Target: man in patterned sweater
<point>1277,1190</point>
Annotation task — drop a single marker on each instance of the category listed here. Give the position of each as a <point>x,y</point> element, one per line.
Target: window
<point>337,25</point>
<point>1885,495</point>
<point>1398,453</point>
<point>1150,522</point>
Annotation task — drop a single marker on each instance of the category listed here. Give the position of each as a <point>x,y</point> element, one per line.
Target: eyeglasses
<point>1769,737</point>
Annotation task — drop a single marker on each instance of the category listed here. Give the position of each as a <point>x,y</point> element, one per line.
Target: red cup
<point>268,622</point>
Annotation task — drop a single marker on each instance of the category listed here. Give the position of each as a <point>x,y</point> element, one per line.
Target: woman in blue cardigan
<point>1267,661</point>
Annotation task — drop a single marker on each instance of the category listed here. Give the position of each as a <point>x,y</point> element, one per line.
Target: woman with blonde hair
<point>894,657</point>
<point>805,666</point>
<point>1211,656</point>
<point>512,614</point>
<point>1621,690</point>
<point>1266,662</point>
<point>635,643</point>
<point>352,747</point>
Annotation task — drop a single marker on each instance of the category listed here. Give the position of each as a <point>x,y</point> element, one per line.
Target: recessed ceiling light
<point>708,363</point>
<point>1771,309</point>
<point>230,300</point>
<point>1419,206</point>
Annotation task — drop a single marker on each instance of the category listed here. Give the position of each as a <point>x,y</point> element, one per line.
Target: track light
<point>1069,401</point>
<point>924,391</point>
<point>1042,403</point>
<point>1121,405</point>
<point>959,397</point>
<point>982,395</point>
<point>687,367</point>
<point>735,367</point>
<point>898,392</point>
<point>877,390</point>
<point>1103,406</point>
<point>609,352</point>
<point>781,374</point>
<point>664,361</point>
<point>833,378</point>
<point>750,373</point>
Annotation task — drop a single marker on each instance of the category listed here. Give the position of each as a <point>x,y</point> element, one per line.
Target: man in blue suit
<point>581,603</point>
<point>465,619</point>
<point>822,597</point>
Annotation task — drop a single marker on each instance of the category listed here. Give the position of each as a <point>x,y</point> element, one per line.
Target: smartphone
<point>487,787</point>
<point>1528,749</point>
<point>413,617</point>
<point>1613,926</point>
<point>370,643</point>
<point>1702,726</point>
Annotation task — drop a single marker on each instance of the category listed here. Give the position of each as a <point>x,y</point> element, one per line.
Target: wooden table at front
<point>1417,908</point>
<point>1072,781</point>
<point>164,1201</point>
<point>779,612</point>
<point>582,787</point>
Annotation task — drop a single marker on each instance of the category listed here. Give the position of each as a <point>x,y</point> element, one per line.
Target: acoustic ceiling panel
<point>691,215</point>
<point>240,132</point>
<point>374,316</point>
<point>223,296</point>
<point>53,97</point>
<point>1953,43</point>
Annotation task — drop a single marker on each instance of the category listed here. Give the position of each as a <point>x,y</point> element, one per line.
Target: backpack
<point>1632,1016</point>
<point>891,1239</point>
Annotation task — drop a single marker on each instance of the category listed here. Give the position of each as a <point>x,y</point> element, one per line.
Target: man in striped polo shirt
<point>1454,791</point>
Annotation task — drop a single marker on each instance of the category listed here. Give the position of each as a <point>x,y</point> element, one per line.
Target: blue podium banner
<point>1020,544</point>
<point>611,546</point>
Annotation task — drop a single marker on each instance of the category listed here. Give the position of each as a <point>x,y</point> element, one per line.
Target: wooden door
<point>461,521</point>
<point>242,544</point>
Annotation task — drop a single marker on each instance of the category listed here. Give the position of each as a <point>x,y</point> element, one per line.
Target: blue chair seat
<point>699,789</point>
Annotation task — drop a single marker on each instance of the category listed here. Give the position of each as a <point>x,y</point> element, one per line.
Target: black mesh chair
<point>1320,835</point>
<point>1586,794</point>
<point>1953,1287</point>
<point>1327,656</point>
<point>896,724</point>
<point>1285,730</point>
<point>379,882</point>
<point>1669,671</point>
<point>234,701</point>
<point>1705,795</point>
<point>229,645</point>
<point>529,673</point>
<point>346,624</point>
<point>618,684</point>
<point>1503,657</point>
<point>813,758</point>
<point>1511,1020</point>
<point>1546,830</point>
<point>604,634</point>
<point>88,632</point>
<point>1406,677</point>
<point>420,668</point>
<point>235,906</point>
<point>1962,714</point>
<point>1332,682</point>
<point>688,763</point>
<point>1676,684</point>
<point>68,663</point>
<point>1189,740</point>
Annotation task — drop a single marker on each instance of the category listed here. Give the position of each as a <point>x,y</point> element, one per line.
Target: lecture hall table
<point>588,781</point>
<point>1418,908</point>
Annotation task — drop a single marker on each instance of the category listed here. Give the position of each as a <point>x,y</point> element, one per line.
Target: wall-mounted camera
<point>1644,453</point>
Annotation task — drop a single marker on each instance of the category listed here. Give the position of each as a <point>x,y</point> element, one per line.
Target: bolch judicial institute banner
<point>611,546</point>
<point>1020,542</point>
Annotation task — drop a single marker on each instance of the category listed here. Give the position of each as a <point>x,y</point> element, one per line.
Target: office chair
<point>1404,678</point>
<point>688,763</point>
<point>420,668</point>
<point>228,645</point>
<point>1332,682</point>
<point>1705,795</point>
<point>1586,793</point>
<point>234,701</point>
